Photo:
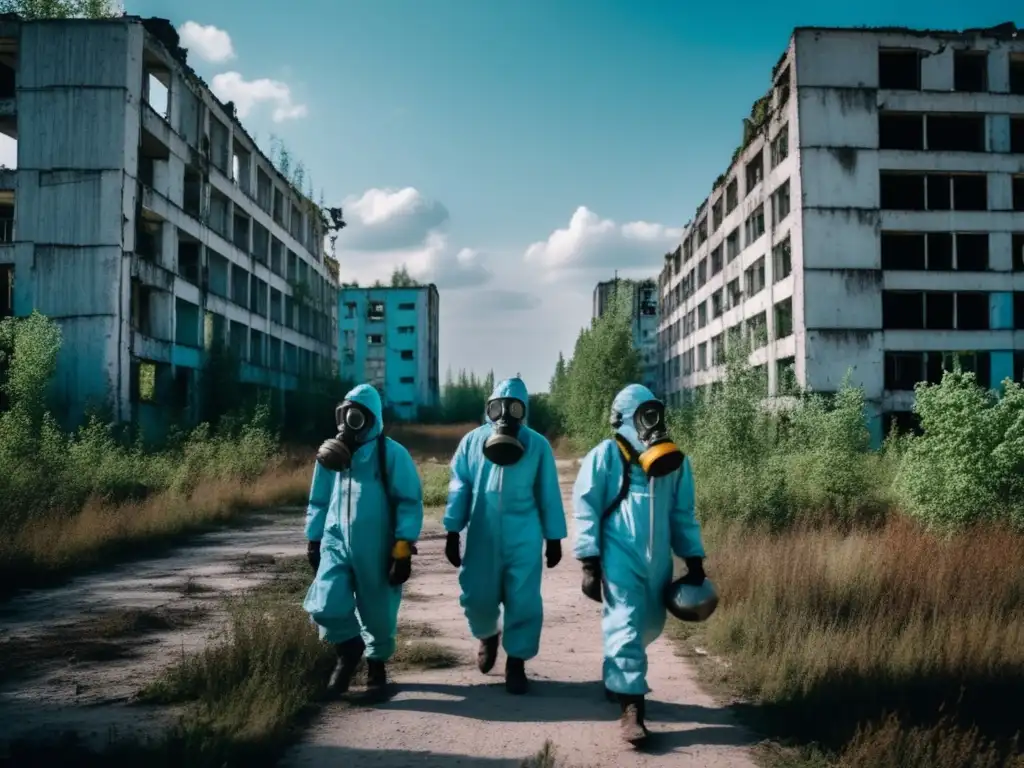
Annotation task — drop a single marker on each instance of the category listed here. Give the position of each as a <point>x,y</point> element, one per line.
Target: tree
<point>62,9</point>
<point>401,278</point>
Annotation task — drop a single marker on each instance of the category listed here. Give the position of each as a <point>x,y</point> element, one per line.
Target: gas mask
<point>354,423</point>
<point>660,456</point>
<point>503,447</point>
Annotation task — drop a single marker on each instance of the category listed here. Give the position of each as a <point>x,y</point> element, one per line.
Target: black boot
<point>631,723</point>
<point>610,695</point>
<point>350,653</point>
<point>487,654</point>
<point>515,676</point>
<point>376,674</point>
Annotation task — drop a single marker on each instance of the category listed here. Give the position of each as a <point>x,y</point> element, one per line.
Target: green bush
<point>44,470</point>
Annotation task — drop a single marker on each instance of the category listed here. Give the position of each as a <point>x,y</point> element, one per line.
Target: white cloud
<point>206,41</point>
<point>593,243</point>
<point>8,151</point>
<point>388,228</point>
<point>248,94</point>
<point>391,219</point>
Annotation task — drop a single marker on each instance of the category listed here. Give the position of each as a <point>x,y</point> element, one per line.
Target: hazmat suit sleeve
<point>319,500</point>
<point>590,498</point>
<point>406,493</point>
<point>460,489</point>
<point>685,530</point>
<point>549,495</point>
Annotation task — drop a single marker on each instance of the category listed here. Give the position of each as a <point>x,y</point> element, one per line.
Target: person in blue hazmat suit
<point>364,516</point>
<point>633,506</point>
<point>504,493</point>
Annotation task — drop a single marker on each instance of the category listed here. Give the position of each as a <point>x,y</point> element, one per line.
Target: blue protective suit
<point>634,574</point>
<point>510,512</point>
<point>348,513</point>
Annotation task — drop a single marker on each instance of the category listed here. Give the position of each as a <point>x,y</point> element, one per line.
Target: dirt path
<point>460,717</point>
<point>72,657</point>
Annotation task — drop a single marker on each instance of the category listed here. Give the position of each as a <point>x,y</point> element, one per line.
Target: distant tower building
<point>644,303</point>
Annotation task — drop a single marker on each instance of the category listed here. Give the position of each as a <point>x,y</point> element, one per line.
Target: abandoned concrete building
<point>643,299</point>
<point>150,226</point>
<point>873,221</point>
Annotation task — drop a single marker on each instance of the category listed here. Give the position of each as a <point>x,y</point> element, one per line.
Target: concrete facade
<point>874,223</point>
<point>389,337</point>
<point>644,302</point>
<point>149,225</point>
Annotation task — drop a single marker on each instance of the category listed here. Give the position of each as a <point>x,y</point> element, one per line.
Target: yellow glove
<point>401,551</point>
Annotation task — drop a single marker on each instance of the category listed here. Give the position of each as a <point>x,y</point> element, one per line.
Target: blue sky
<point>459,133</point>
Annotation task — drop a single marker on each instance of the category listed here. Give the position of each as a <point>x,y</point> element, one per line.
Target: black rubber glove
<point>400,571</point>
<point>694,571</point>
<point>553,552</point>
<point>313,555</point>
<point>451,549</point>
<point>592,578</point>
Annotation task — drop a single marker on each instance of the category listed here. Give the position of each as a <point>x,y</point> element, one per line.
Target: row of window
<point>965,132</point>
<point>375,310</point>
<point>941,251</point>
<point>916,191</point>
<point>899,69</point>
<point>947,311</point>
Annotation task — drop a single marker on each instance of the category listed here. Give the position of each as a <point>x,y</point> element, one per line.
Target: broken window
<point>716,261</point>
<point>716,215</point>
<point>275,305</point>
<point>940,251</point>
<point>784,319</point>
<point>702,356</point>
<point>264,190</point>
<point>255,347</point>
<point>734,293</point>
<point>957,192</point>
<point>754,278</point>
<point>240,233</point>
<point>407,329</point>
<point>978,363</point>
<point>1018,314</point>
<point>239,286</point>
<point>780,203</point>
<point>903,310</point>
<point>939,311</point>
<point>903,370</point>
<point>716,304</point>
<point>6,290</point>
<point>156,86</point>
<point>757,330</point>
<point>375,339</point>
<point>780,146</point>
<point>785,376</point>
<point>702,314</point>
<point>956,133</point>
<point>219,150</point>
<point>754,225</point>
<point>218,214</point>
<point>1018,252</point>
<point>192,193</point>
<point>782,88</point>
<point>260,243</point>
<point>188,258</point>
<point>754,172</point>
<point>149,239</point>
<point>295,223</point>
<point>702,272</point>
<point>782,262</point>
<point>732,245</point>
<point>1018,193</point>
<point>350,310</point>
<point>408,380</point>
<point>1018,366</point>
<point>732,196</point>
<point>241,168</point>
<point>687,249</point>
<point>375,311</point>
<point>899,70</point>
<point>702,232</point>
<point>407,305</point>
<point>970,71</point>
<point>258,294</point>
<point>717,350</point>
<point>900,131</point>
<point>972,311</point>
<point>274,353</point>
<point>1017,74</point>
<point>406,354</point>
<point>1017,135</point>
<point>903,250</point>
<point>141,307</point>
<point>972,251</point>
<point>145,382</point>
<point>901,191</point>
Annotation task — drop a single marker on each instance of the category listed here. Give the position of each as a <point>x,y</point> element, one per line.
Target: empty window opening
<point>1018,193</point>
<point>940,251</point>
<point>732,245</point>
<point>702,357</point>
<point>754,172</point>
<point>141,307</point>
<point>901,191</point>
<point>780,146</point>
<point>702,272</point>
<point>702,232</point>
<point>408,380</point>
<point>972,311</point>
<point>1017,135</point>
<point>903,370</point>
<point>375,339</point>
<point>754,278</point>
<point>718,350</point>
<point>149,235</point>
<point>785,376</point>
<point>754,224</point>
<point>242,226</point>
<point>375,311</point>
<point>188,258</point>
<point>734,293</point>
<point>158,90</point>
<point>935,310</point>
<point>1018,313</point>
<point>717,214</point>
<point>1018,252</point>
<point>1018,366</point>
<point>970,71</point>
<point>407,329</point>
<point>780,203</point>
<point>972,251</point>
<point>782,88</point>
<point>1017,76</point>
<point>264,190</point>
<point>407,305</point>
<point>239,286</point>
<point>241,168</point>
<point>702,314</point>
<point>350,310</point>
<point>757,330</point>
<point>145,382</point>
<point>8,74</point>
<point>192,192</point>
<point>407,354</point>
<point>6,290</point>
<point>732,196</point>
<point>956,133</point>
<point>899,70</point>
<point>782,261</point>
<point>900,131</point>
<point>957,192</point>
<point>784,319</point>
<point>717,306</point>
<point>717,261</point>
<point>903,251</point>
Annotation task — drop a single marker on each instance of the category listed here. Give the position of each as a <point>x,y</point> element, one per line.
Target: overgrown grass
<point>246,694</point>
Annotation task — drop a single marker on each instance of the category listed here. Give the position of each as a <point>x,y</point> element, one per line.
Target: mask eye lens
<point>354,419</point>
<point>516,410</point>
<point>494,410</point>
<point>650,417</point>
